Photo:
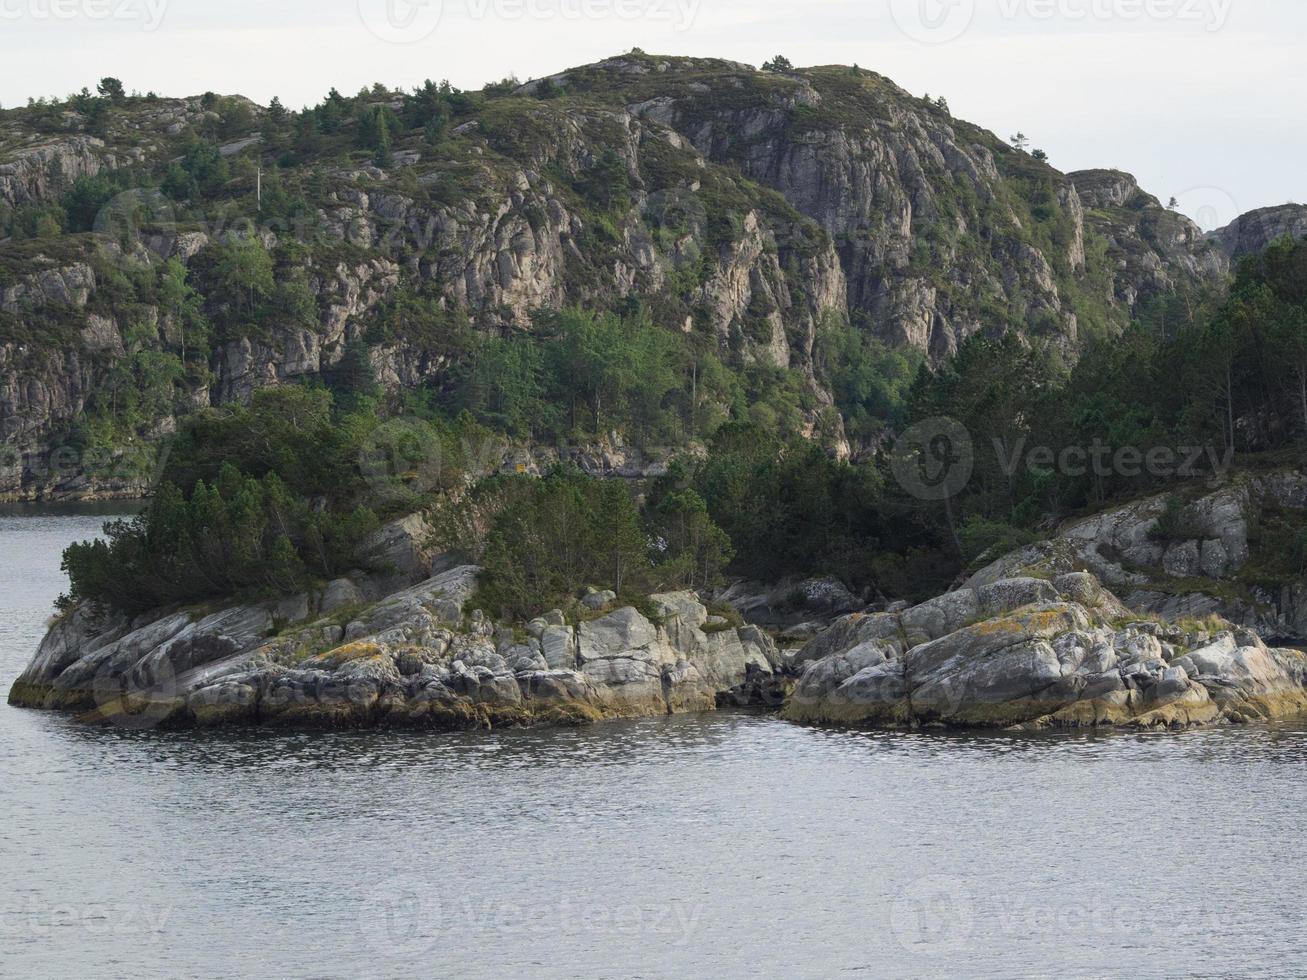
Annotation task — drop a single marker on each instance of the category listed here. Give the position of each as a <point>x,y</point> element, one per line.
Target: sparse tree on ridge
<point>112,89</point>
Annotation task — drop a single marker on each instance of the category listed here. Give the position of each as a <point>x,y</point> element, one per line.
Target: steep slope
<point>1252,233</point>
<point>741,209</point>
<point>942,228</point>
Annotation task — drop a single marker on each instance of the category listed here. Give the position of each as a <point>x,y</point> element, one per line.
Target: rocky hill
<point>1250,234</point>
<point>742,209</point>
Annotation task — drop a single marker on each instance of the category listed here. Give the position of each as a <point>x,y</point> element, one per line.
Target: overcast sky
<point>1201,99</point>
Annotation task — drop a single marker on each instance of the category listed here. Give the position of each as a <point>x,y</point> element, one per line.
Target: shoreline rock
<point>1027,653</point>
<point>411,660</point>
<point>1022,644</point>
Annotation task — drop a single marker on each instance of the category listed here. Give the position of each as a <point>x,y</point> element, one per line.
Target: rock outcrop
<point>1183,557</point>
<point>416,659</point>
<point>402,647</point>
<point>1040,654</point>
<point>755,205</point>
<point>35,172</point>
<point>1252,233</point>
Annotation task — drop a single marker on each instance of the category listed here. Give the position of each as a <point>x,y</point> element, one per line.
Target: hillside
<point>787,231</point>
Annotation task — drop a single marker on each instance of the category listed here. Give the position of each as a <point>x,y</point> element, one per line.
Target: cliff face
<point>942,229</point>
<point>749,207</point>
<point>1253,232</point>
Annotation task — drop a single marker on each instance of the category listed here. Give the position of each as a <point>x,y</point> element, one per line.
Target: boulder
<point>559,647</point>
<point>624,635</point>
<point>339,594</point>
<point>1027,661</point>
<point>398,554</point>
<point>599,601</point>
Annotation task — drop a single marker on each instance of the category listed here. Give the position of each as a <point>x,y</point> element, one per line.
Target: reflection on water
<point>729,845</point>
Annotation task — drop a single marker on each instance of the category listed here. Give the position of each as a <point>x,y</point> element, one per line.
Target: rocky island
<point>463,409</point>
<point>1037,652</point>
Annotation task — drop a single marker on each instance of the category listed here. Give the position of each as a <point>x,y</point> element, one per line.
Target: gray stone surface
<point>1063,663</point>
<point>415,658</point>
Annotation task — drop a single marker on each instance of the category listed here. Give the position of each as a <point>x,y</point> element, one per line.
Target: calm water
<point>728,845</point>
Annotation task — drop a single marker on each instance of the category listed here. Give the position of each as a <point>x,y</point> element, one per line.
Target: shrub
<point>556,535</point>
<point>237,536</point>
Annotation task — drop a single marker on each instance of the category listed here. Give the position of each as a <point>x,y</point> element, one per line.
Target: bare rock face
<point>1188,570</point>
<point>1062,654</point>
<point>35,171</point>
<point>758,206</point>
<point>411,660</point>
<point>1252,233</point>
<point>1157,249</point>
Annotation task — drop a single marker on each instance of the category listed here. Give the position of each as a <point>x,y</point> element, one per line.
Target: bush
<point>540,542</point>
<point>267,499</point>
<point>237,536</point>
<point>557,535</point>
<point>986,540</point>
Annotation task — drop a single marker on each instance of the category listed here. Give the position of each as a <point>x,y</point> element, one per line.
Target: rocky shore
<point>1033,653</point>
<point>413,659</point>
<point>1022,651</point>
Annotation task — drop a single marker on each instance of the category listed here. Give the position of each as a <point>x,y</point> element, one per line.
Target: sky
<point>1200,99</point>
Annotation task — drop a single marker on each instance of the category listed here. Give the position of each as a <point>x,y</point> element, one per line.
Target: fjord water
<point>728,845</point>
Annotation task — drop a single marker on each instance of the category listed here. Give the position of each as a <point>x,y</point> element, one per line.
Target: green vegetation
<point>1173,401</point>
<point>540,540</point>
<point>268,499</point>
<point>272,497</point>
<point>236,536</point>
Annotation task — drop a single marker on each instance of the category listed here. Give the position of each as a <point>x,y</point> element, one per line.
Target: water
<point>728,845</point>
